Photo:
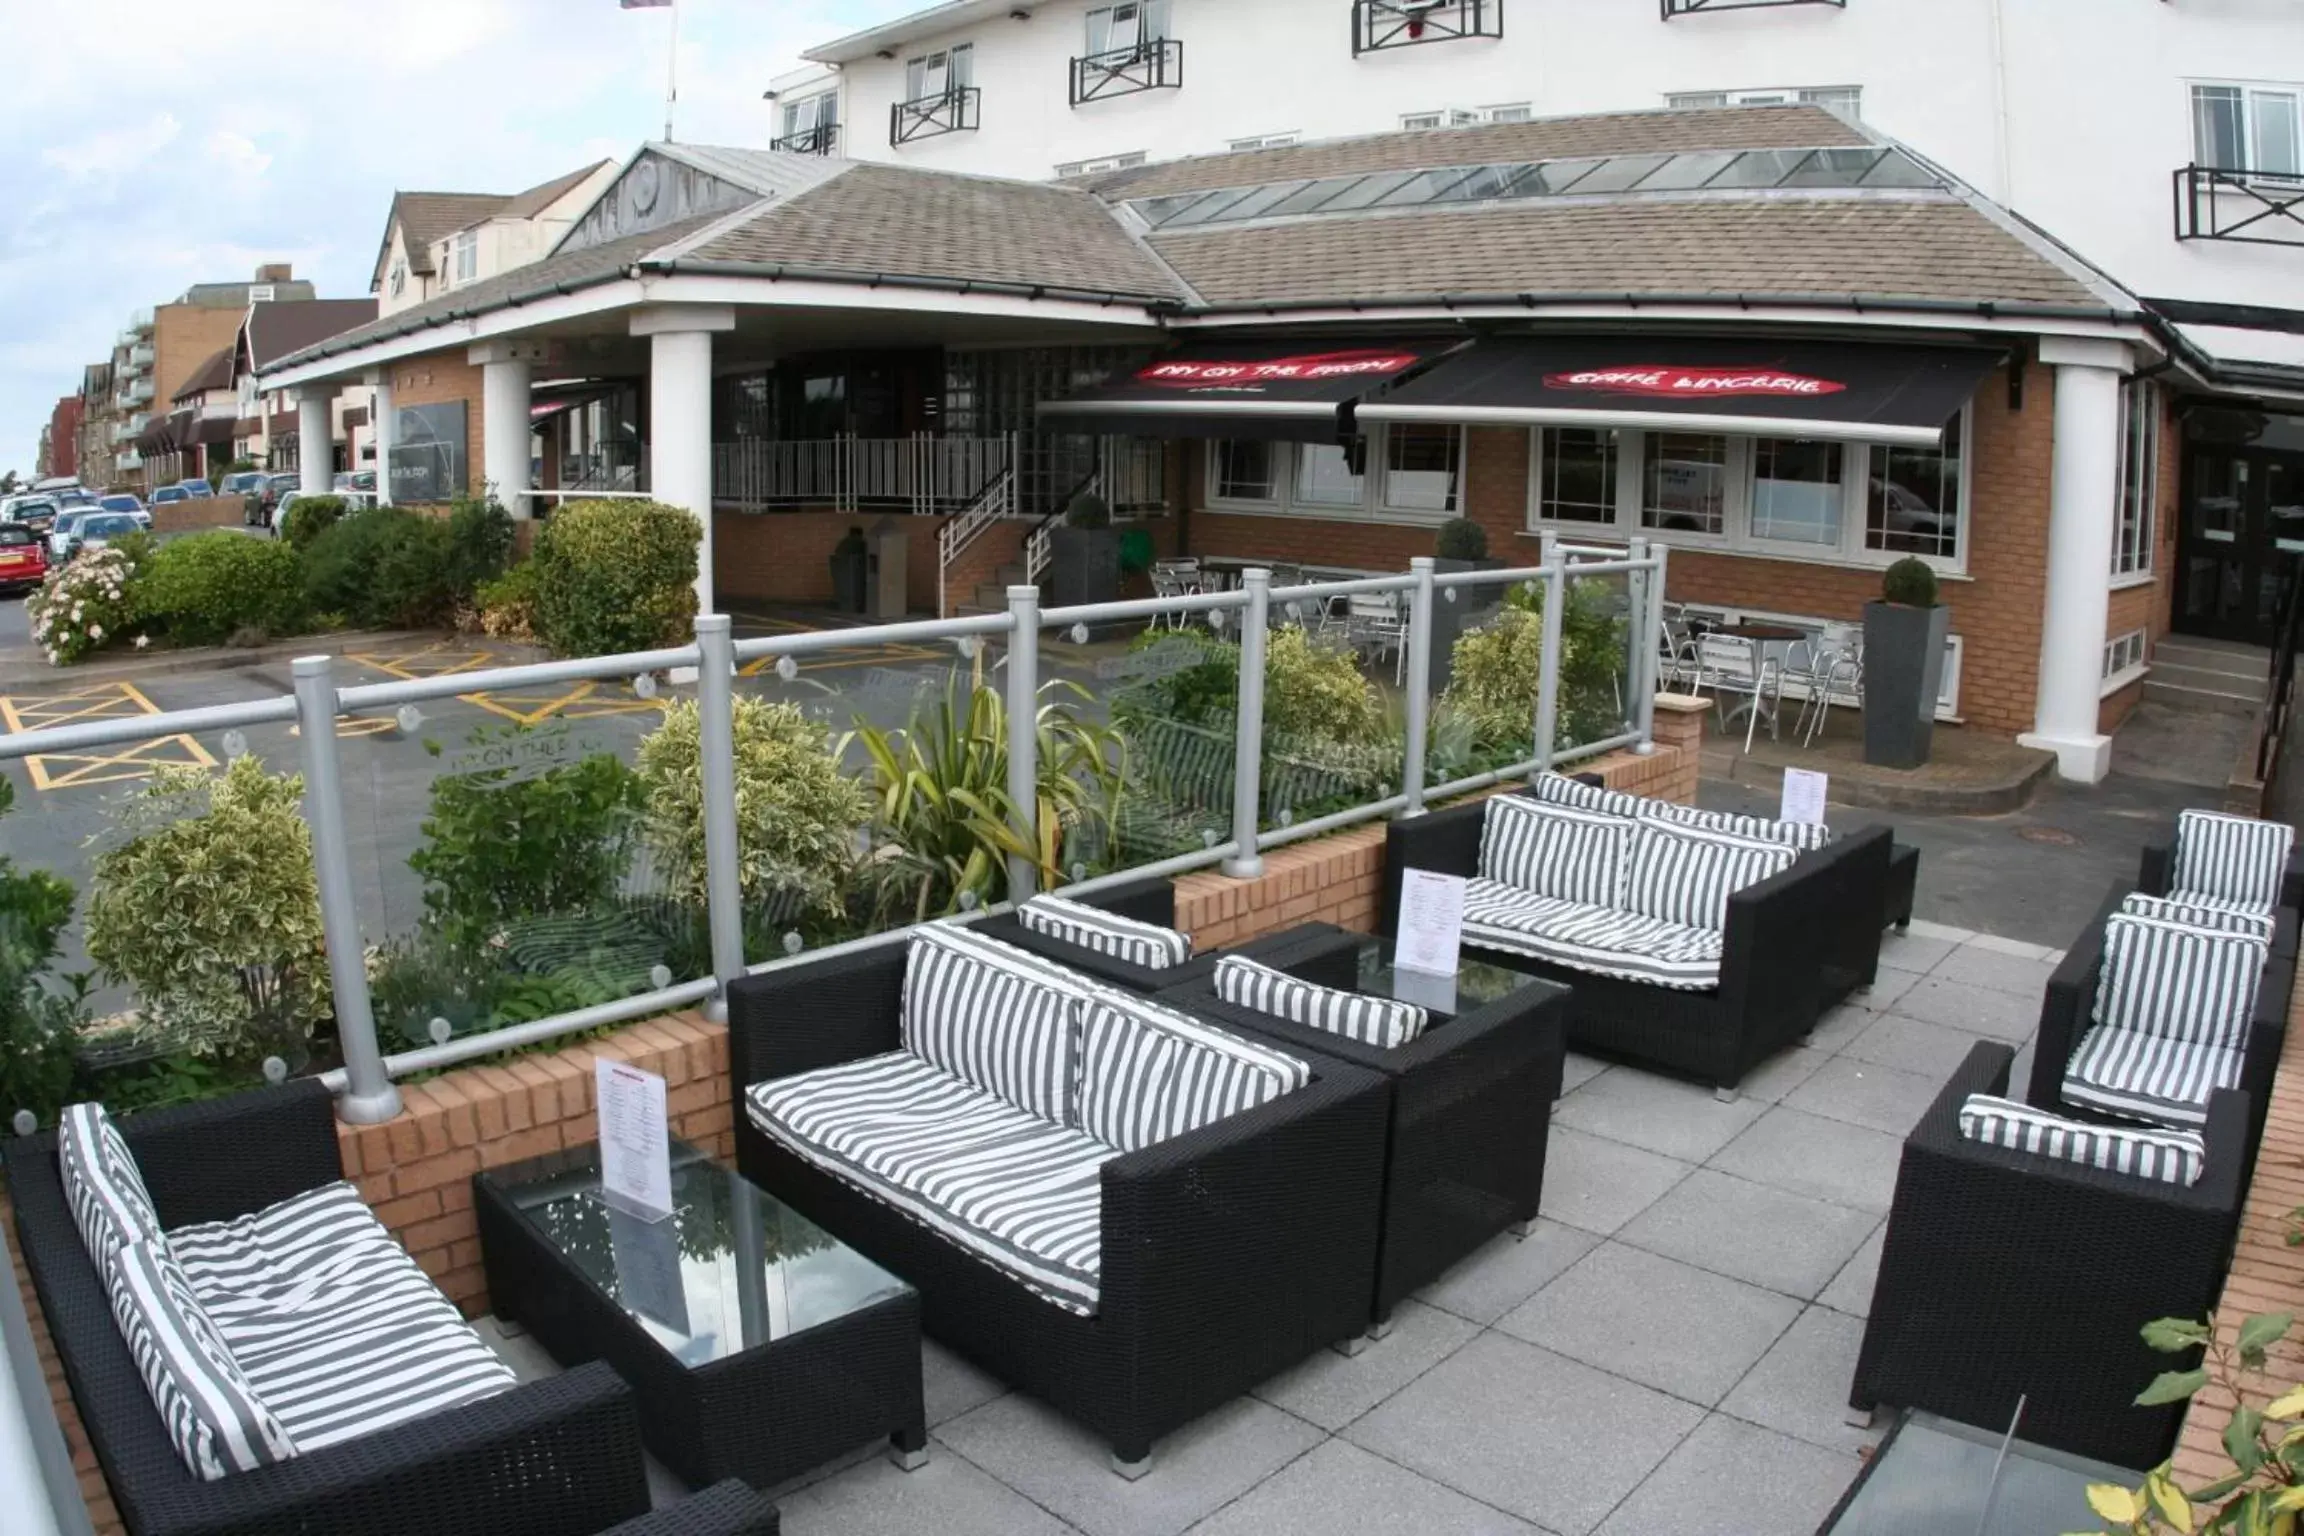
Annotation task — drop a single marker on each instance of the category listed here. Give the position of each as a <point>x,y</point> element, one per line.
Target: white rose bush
<point>82,605</point>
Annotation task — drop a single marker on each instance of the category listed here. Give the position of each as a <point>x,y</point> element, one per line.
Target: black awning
<point>1844,391</point>
<point>1298,390</point>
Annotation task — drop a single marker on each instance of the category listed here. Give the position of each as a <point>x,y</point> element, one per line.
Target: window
<point>399,276</point>
<point>260,293</point>
<point>1912,499</point>
<point>1264,141</point>
<point>2139,476</point>
<point>467,256</point>
<point>2245,128</point>
<point>1685,488</point>
<point>1796,491</point>
<point>1420,468</point>
<point>1114,28</point>
<point>1576,475</point>
<point>1324,477</point>
<point>2123,654</point>
<point>1134,157</point>
<point>1467,117</point>
<point>940,73</point>
<point>1847,100</point>
<point>804,117</point>
<point>1244,469</point>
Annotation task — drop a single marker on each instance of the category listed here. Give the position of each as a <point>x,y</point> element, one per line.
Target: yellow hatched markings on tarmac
<point>866,655</point>
<point>577,701</point>
<point>85,706</point>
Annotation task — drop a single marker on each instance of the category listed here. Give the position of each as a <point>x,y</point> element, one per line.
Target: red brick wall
<point>437,378</point>
<point>786,557</point>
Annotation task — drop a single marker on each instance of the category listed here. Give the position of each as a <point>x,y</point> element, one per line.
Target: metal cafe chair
<point>1175,578</point>
<point>1376,624</point>
<point>1742,667</point>
<point>1832,663</point>
<point>1679,656</point>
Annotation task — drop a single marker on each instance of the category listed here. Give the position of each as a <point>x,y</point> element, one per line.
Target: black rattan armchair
<point>1228,1253</point>
<point>1316,951</point>
<point>724,1509</point>
<point>2156,872</point>
<point>2008,1274</point>
<point>541,1460</point>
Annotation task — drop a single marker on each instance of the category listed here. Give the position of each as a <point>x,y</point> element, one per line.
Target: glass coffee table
<point>758,1344</point>
<point>1933,1476</point>
<point>1475,983</point>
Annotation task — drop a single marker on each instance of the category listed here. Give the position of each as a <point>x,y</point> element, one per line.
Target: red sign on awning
<point>1217,372</point>
<point>1663,379</point>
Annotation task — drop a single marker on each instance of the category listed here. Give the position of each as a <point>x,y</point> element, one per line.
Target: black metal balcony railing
<point>957,110</point>
<point>2251,207</point>
<point>1156,65</point>
<point>1405,23</point>
<point>823,139</point>
<point>1674,8</point>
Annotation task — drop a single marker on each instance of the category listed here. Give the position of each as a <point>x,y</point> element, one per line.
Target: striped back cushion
<point>1148,1073</point>
<point>993,1015</point>
<point>2200,912</point>
<point>1551,850</point>
<point>102,1184</point>
<point>2163,978</point>
<point>1108,933</point>
<point>1804,835</point>
<point>213,1415</point>
<point>2235,857</point>
<point>1559,789</point>
<point>1685,876</point>
<point>2173,1157</point>
<point>1377,1021</point>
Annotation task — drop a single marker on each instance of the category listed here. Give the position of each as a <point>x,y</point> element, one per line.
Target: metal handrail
<point>1154,64</point>
<point>2278,195</point>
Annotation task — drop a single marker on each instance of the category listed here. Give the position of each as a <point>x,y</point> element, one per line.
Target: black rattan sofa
<point>2012,1274</point>
<point>726,1508</point>
<point>1228,1253</point>
<point>540,1460</point>
<point>1319,951</point>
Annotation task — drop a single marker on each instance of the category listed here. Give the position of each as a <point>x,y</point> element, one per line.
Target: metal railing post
<point>369,1096</point>
<point>1652,639</point>
<point>1548,676</point>
<point>716,753</point>
<point>1024,735</point>
<point>1248,753</point>
<point>1419,702</point>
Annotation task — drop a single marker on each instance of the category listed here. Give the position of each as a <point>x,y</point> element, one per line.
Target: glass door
<point>2243,522</point>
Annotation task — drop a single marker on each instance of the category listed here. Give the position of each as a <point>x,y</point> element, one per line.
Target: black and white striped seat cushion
<point>1149,1073</point>
<point>2200,912</point>
<point>216,1416</point>
<point>338,1331</point>
<point>2172,1157</point>
<point>1807,836</point>
<point>1560,789</point>
<point>1685,876</point>
<point>1108,933</point>
<point>102,1184</point>
<point>1602,940</point>
<point>2149,1077</point>
<point>1021,1194</point>
<point>1553,850</point>
<point>994,1015</point>
<point>1379,1021</point>
<point>2236,858</point>
<point>2189,984</point>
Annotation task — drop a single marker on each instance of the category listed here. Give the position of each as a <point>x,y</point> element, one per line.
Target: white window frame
<point>1372,506</point>
<point>1264,141</point>
<point>958,64</point>
<point>467,256</point>
<point>1101,164</point>
<point>2125,660</point>
<point>1847,100</point>
<point>399,277</point>
<point>1148,22</point>
<point>2135,546</point>
<point>1736,537</point>
<point>809,113</point>
<point>2250,94</point>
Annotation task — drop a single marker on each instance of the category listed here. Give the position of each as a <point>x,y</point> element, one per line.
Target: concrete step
<point>2248,685</point>
<point>2204,700</point>
<point>992,597</point>
<point>1011,575</point>
<point>2205,657</point>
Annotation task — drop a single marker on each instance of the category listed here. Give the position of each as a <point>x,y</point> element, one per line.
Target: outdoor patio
<point>1674,1342</point>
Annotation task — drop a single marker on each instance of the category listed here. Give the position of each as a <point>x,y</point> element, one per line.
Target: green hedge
<point>385,569</point>
<point>616,576</point>
<point>213,588</point>
<point>310,517</point>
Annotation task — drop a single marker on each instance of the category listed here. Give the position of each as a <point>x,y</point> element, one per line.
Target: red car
<point>23,558</point>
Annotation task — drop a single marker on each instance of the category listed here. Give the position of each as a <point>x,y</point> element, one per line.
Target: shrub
<point>84,607</point>
<point>1462,539</point>
<point>1088,511</point>
<point>1496,670</point>
<point>1910,582</point>
<point>38,1022</point>
<point>797,812</point>
<point>507,605</point>
<point>479,546</point>
<point>383,569</point>
<point>1311,691</point>
<point>208,588</point>
<point>615,576</point>
<point>206,903</point>
<point>310,517</point>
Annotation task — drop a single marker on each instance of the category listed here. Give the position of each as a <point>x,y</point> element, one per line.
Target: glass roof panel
<point>1263,200</point>
<point>1158,210</point>
<point>1215,205</point>
<point>1899,170</point>
<point>1365,191</point>
<point>1424,187</point>
<point>1311,195</point>
<point>1834,168</point>
<point>1615,174</point>
<point>1486,182</point>
<point>1681,173</point>
<point>1760,168</point>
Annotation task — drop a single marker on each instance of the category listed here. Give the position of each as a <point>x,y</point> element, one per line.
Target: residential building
<point>40,469</point>
<point>96,453</point>
<point>436,241</point>
<point>1768,338</point>
<point>194,439</point>
<point>60,439</point>
<point>265,427</point>
<point>163,348</point>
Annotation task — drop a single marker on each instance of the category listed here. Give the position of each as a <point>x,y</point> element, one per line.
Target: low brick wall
<point>207,512</point>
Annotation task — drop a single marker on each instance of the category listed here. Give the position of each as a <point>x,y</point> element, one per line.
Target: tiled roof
<point>1552,138</point>
<point>275,330</point>
<point>872,220</point>
<point>425,218</point>
<point>213,372</point>
<point>528,204</point>
<point>1854,245</point>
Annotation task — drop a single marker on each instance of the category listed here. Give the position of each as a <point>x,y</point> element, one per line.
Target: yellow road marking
<point>581,701</point>
<point>845,656</point>
<point>102,701</point>
<point>430,661</point>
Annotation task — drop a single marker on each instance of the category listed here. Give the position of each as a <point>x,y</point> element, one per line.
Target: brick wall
<point>183,337</point>
<point>786,557</point>
<point>207,512</point>
<point>437,378</point>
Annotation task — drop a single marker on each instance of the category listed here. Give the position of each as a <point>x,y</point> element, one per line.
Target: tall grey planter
<point>1085,563</point>
<point>1903,678</point>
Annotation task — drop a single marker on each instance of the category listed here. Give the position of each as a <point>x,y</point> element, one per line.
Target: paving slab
<point>1913,1045</point>
<point>1341,1488</point>
<point>1866,1093</point>
<point>1577,1069</point>
<point>2024,974</point>
<point>1662,1323</point>
<point>1507,1271</point>
<point>951,1385</point>
<point>1963,1005</point>
<point>2021,949</point>
<point>1598,1184</point>
<point>1660,1114</point>
<point>1800,1387</point>
<point>1851,1289</point>
<point>1792,1244</point>
<point>1811,1155</point>
<point>1542,1436</point>
<point>1841,1025</point>
<point>1914,950</point>
<point>1735,1479</point>
<point>948,1497</point>
<point>1923,929</point>
<point>1331,1389</point>
<point>1781,1073</point>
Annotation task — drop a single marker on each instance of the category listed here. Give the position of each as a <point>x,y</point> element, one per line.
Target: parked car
<point>121,501</point>
<point>34,512</point>
<point>23,558</point>
<point>98,529</point>
<point>60,533</point>
<point>75,496</point>
<point>266,512</point>
<point>168,494</point>
<point>197,489</point>
<point>241,483</point>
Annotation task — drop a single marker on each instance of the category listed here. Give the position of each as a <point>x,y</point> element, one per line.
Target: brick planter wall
<point>206,512</point>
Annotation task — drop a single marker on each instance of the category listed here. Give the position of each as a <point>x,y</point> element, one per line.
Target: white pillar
<point>386,427</point>
<point>680,415</point>
<point>505,425</point>
<point>315,439</point>
<point>2083,511</point>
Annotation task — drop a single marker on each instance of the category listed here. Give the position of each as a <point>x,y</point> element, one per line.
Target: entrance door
<point>2243,521</point>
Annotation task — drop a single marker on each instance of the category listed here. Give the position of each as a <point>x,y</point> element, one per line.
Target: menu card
<point>1804,795</point>
<point>1431,922</point>
<point>635,1146</point>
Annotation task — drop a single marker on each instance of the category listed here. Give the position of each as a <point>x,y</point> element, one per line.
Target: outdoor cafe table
<point>1762,637</point>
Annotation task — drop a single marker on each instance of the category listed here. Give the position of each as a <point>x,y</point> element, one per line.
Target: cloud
<point>115,151</point>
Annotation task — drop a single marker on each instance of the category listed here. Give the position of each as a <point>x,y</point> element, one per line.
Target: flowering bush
<point>83,607</point>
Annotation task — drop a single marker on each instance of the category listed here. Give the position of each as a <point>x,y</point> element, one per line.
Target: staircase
<point>2221,677</point>
<point>992,596</point>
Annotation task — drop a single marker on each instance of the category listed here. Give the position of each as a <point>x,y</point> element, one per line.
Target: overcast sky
<point>151,145</point>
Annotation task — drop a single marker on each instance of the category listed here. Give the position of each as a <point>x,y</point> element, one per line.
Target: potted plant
<point>849,559</point>
<point>1084,553</point>
<point>1462,545</point>
<point>1904,636</point>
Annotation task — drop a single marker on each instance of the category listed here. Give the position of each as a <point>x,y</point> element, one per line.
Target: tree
<point>10,484</point>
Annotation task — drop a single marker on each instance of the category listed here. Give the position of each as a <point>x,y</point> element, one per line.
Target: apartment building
<point>60,439</point>
<point>95,453</point>
<point>437,241</point>
<point>163,347</point>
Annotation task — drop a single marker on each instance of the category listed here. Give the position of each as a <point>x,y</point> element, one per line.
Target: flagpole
<point>672,73</point>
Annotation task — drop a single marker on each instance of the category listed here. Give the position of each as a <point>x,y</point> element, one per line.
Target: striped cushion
<point>2186,983</point>
<point>994,1015</point>
<point>1601,940</point>
<point>2172,1157</point>
<point>102,1184</point>
<point>2153,1078</point>
<point>1024,1196</point>
<point>1377,1021</point>
<point>215,1416</point>
<point>1686,876</point>
<point>1807,836</point>
<point>1560,789</point>
<point>1150,1073</point>
<point>2200,912</point>
<point>2237,858</point>
<point>1554,851</point>
<point>1108,933</point>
